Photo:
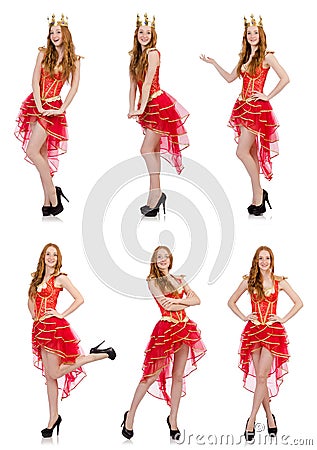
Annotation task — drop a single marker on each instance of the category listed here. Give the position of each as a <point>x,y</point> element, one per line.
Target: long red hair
<point>245,53</point>
<point>68,64</point>
<point>139,59</point>
<point>255,281</point>
<point>38,275</point>
<point>157,275</point>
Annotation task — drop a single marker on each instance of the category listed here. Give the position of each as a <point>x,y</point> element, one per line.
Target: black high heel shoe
<point>48,432</point>
<point>257,210</point>
<point>46,210</point>
<point>272,431</point>
<point>249,435</point>
<point>174,434</point>
<point>110,351</point>
<point>59,207</point>
<point>152,212</point>
<point>128,434</point>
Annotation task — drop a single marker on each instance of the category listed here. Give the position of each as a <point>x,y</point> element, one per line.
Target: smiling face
<point>56,35</point>
<point>144,35</point>
<point>163,260</point>
<point>264,261</point>
<point>51,257</point>
<point>253,36</point>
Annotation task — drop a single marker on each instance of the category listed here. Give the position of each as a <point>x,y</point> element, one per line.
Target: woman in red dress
<point>175,345</point>
<point>56,350</point>
<point>41,124</point>
<point>264,344</point>
<point>252,118</point>
<point>160,115</point>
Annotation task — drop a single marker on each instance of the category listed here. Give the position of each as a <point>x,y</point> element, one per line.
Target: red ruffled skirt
<point>55,127</point>
<point>274,338</point>
<point>164,115</point>
<point>259,118</point>
<point>56,336</point>
<point>167,338</point>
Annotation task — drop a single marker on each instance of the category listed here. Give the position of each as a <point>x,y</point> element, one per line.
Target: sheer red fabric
<point>164,115</point>
<point>258,117</point>
<point>55,126</point>
<point>55,336</point>
<point>271,336</point>
<point>169,334</point>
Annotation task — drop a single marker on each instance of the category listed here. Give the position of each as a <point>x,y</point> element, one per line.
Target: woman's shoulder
<point>60,276</point>
<point>180,278</point>
<point>153,53</point>
<point>152,49</point>
<point>279,278</point>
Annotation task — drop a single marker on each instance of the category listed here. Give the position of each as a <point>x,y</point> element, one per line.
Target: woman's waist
<point>266,322</point>
<point>175,317</point>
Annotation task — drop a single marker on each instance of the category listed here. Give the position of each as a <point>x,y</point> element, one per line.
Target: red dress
<point>164,115</point>
<point>258,117</point>
<point>271,336</point>
<point>169,334</point>
<point>55,126</point>
<point>55,336</point>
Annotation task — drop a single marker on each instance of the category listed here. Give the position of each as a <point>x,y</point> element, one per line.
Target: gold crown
<point>146,22</point>
<point>63,22</point>
<point>252,22</point>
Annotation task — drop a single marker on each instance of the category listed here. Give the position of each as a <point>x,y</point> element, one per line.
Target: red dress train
<point>55,336</point>
<point>164,115</point>
<point>265,334</point>
<point>169,334</point>
<point>257,117</point>
<point>55,126</point>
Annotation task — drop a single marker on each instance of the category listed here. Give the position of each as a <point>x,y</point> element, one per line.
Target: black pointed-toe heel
<point>59,207</point>
<point>272,431</point>
<point>152,212</point>
<point>110,351</point>
<point>174,434</point>
<point>249,435</point>
<point>128,434</point>
<point>46,210</point>
<point>257,210</point>
<point>48,432</point>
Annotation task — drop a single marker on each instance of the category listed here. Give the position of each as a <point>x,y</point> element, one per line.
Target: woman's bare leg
<point>34,152</point>
<point>245,152</point>
<point>47,202</point>
<point>140,392</point>
<point>52,393</point>
<point>180,359</point>
<point>56,370</point>
<point>262,366</point>
<point>150,151</point>
<point>266,400</point>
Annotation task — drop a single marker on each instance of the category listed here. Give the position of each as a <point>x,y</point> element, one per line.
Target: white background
<point>101,137</point>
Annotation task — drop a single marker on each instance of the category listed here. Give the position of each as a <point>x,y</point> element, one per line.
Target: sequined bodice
<point>267,306</point>
<point>252,83</point>
<point>50,87</point>
<point>46,298</point>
